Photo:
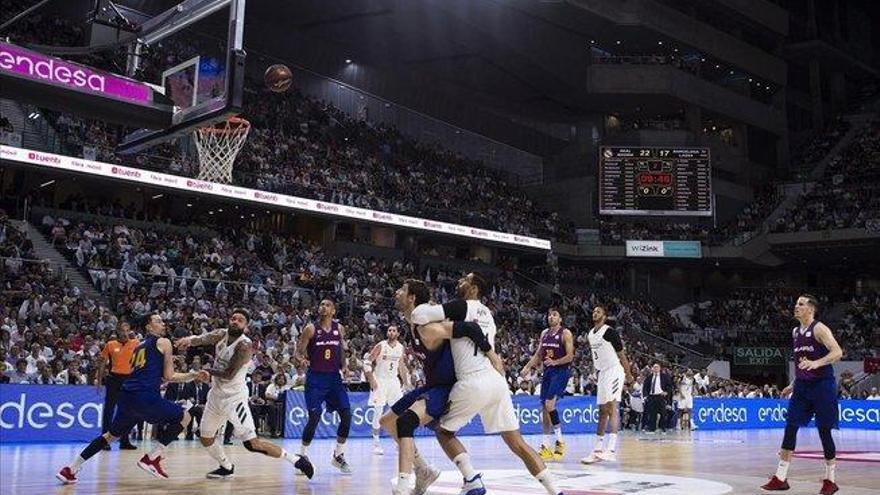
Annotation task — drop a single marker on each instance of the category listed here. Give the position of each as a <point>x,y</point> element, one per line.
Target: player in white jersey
<point>612,365</point>
<point>228,397</point>
<point>386,371</point>
<point>686,399</point>
<point>480,388</point>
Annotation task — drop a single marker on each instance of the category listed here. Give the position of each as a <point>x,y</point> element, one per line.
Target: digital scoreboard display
<point>655,181</point>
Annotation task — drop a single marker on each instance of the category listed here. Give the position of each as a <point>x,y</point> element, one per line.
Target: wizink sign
<point>38,67</point>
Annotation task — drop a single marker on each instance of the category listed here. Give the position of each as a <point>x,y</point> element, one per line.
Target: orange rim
<point>233,125</point>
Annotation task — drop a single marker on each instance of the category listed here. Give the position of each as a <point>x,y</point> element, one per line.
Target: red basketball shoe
<point>153,467</point>
<point>775,485</point>
<point>68,477</point>
<point>828,487</point>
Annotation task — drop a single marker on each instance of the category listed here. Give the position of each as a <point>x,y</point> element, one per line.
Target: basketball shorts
<point>554,382</point>
<point>133,407</point>
<point>387,392</point>
<point>610,385</point>
<point>485,393</point>
<point>686,402</point>
<point>325,388</point>
<point>436,399</point>
<point>814,398</point>
<point>236,410</point>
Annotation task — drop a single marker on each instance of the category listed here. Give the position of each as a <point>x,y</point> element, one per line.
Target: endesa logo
<point>722,413</point>
<point>851,412</point>
<point>49,413</point>
<point>53,70</point>
<point>197,184</point>
<point>39,157</point>
<point>38,415</point>
<point>124,172</point>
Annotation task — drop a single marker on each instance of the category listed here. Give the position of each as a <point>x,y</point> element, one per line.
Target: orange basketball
<point>278,78</point>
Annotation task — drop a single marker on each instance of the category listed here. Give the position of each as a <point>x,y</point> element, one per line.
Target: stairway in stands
<point>794,191</point>
<point>44,250</point>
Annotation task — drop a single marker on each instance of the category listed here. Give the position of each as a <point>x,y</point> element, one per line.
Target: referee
<point>119,352</point>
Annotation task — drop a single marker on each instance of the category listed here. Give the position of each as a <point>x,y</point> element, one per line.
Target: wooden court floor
<point>701,463</point>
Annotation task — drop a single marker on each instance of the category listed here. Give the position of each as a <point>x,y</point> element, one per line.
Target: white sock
<point>558,430</point>
<point>375,437</point>
<point>287,456</point>
<point>597,444</point>
<point>304,450</point>
<point>76,464</point>
<point>547,481</point>
<point>157,452</point>
<point>215,450</point>
<point>782,470</point>
<point>405,479</point>
<point>463,463</point>
<point>829,472</point>
<point>419,461</point>
<point>546,441</point>
<point>340,449</point>
<point>377,415</point>
<point>612,442</point>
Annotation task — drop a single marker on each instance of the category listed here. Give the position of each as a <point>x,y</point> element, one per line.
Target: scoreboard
<point>655,181</point>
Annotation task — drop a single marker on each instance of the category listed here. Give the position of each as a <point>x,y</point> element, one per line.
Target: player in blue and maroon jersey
<point>324,343</point>
<point>813,392</point>
<point>140,400</point>
<point>556,352</point>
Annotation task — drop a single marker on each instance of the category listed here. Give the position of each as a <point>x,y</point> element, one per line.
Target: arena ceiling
<point>523,59</point>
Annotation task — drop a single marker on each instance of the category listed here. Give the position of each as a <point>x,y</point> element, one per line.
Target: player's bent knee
<point>254,445</point>
<point>206,441</point>
<point>407,424</point>
<point>388,418</point>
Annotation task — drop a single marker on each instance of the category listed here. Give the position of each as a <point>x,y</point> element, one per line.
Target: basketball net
<point>218,145</point>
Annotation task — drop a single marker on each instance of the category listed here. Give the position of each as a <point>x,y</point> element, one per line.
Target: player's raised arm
<point>243,353</point>
<point>168,373</point>
<point>209,338</point>
<point>455,310</point>
<point>826,338</point>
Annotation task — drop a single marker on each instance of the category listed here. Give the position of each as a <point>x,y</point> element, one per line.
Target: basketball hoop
<point>218,145</point>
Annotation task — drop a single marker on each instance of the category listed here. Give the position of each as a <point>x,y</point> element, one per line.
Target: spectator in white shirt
<point>33,358</point>
<point>874,394</point>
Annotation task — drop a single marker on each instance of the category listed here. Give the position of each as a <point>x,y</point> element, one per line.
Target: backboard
<point>194,54</point>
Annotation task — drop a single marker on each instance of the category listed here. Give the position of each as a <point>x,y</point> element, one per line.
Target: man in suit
<point>197,395</point>
<point>257,399</point>
<point>656,390</point>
